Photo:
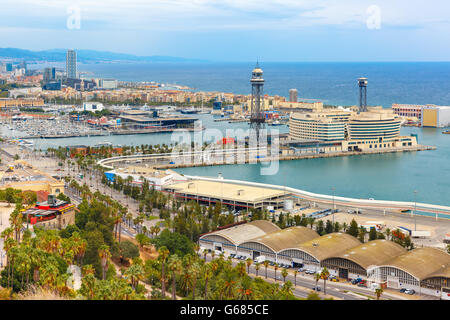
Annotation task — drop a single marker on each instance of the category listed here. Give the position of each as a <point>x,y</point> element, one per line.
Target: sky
<point>235,30</point>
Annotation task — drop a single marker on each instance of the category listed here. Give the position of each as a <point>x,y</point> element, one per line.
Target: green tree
<point>104,255</point>
<point>353,229</point>
<point>373,234</point>
<point>128,250</point>
<point>266,264</point>
<point>328,227</point>
<point>163,255</point>
<point>378,292</point>
<point>175,267</point>
<point>284,274</point>
<point>324,274</point>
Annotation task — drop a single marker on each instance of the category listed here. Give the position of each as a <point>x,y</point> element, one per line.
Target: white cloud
<point>233,14</point>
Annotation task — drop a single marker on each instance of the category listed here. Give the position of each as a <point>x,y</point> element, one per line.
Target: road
<point>306,283</point>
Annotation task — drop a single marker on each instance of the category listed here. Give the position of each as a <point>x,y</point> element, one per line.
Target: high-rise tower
<point>362,83</point>
<point>71,64</point>
<point>257,116</point>
<point>293,95</point>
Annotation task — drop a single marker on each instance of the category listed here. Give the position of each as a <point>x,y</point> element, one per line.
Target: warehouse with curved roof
<point>228,239</point>
<point>355,262</point>
<point>411,269</point>
<point>270,244</point>
<point>438,283</point>
<point>311,253</point>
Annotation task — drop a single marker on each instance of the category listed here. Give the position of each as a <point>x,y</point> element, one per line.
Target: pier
<point>292,157</point>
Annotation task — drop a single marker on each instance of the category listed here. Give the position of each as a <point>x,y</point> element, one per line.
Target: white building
<point>435,116</point>
<point>91,106</point>
<point>155,178</point>
<point>107,83</point>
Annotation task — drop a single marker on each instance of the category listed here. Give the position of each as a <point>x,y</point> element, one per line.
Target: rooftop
<point>245,232</point>
<point>286,238</point>
<point>226,191</point>
<point>141,171</point>
<point>422,262</point>
<point>328,245</point>
<point>373,253</point>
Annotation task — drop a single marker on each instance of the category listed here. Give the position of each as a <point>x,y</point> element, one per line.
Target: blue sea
<point>332,83</point>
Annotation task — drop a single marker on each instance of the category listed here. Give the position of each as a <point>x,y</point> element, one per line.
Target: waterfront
<point>392,176</point>
<point>384,176</point>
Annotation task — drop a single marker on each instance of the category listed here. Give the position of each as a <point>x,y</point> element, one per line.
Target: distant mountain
<point>85,56</point>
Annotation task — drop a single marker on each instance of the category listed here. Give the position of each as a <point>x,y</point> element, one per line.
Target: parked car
<point>402,290</point>
<point>362,284</point>
<point>316,288</point>
<point>356,281</point>
<point>300,269</point>
<point>333,279</point>
<point>410,291</point>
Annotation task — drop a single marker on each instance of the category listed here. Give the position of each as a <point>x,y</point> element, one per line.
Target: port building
<point>145,122</point>
<point>427,115</point>
<point>380,262</point>
<point>409,111</point>
<point>355,262</point>
<point>270,244</point>
<point>341,131</point>
<point>230,194</point>
<point>155,178</point>
<point>311,253</point>
<point>435,116</point>
<point>426,270</point>
<point>375,124</point>
<point>228,239</point>
<point>323,126</point>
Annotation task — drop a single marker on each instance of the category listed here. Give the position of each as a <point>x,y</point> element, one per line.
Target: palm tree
<point>266,264</point>
<point>208,271</point>
<point>316,277</point>
<point>295,277</point>
<point>388,233</point>
<point>194,270</point>
<point>276,268</point>
<point>104,254</point>
<point>248,262</point>
<point>205,252</point>
<point>163,255</point>
<point>324,275</point>
<point>241,268</point>
<point>257,266</point>
<point>135,273</point>
<point>175,267</point>
<point>378,292</point>
<point>284,274</point>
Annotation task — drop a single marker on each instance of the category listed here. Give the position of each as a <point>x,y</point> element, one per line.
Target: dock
<point>296,157</point>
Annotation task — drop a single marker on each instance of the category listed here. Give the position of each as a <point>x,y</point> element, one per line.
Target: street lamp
<point>334,207</point>
<point>415,209</point>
